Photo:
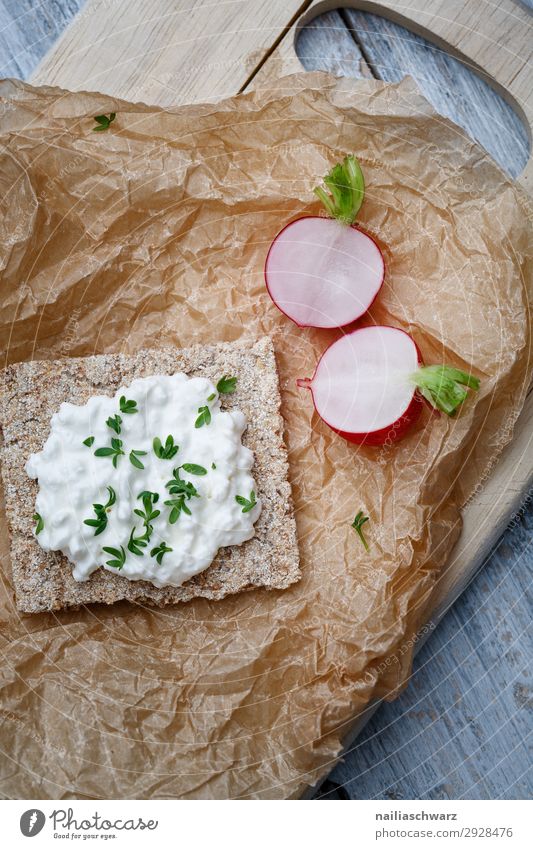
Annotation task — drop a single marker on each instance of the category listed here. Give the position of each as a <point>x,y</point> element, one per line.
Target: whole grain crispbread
<point>33,391</point>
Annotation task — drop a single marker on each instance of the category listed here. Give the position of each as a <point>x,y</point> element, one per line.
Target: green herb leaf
<point>119,556</point>
<point>226,385</point>
<point>357,525</point>
<point>444,387</point>
<point>134,458</point>
<point>212,396</point>
<point>184,490</point>
<point>246,504</point>
<point>204,417</point>
<point>346,186</point>
<point>114,423</point>
<point>193,469</point>
<point>213,466</point>
<point>104,452</point>
<point>166,452</point>
<point>40,523</point>
<point>103,122</point>
<point>126,406</point>
<point>159,551</point>
<point>100,523</point>
<point>89,441</point>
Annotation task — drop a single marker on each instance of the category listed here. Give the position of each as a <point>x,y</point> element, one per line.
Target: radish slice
<point>322,273</point>
<point>365,385</point>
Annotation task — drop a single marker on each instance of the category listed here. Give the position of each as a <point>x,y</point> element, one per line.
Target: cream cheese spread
<point>157,473</point>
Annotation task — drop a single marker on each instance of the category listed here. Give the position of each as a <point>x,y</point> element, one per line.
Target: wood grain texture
<point>137,55</point>
<point>493,38</point>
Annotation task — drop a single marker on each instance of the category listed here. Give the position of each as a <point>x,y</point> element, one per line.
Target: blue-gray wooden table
<point>462,729</point>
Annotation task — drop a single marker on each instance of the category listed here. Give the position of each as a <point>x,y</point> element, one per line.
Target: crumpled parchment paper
<point>155,232</point>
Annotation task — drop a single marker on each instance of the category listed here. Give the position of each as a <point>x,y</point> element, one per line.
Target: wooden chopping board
<point>185,51</point>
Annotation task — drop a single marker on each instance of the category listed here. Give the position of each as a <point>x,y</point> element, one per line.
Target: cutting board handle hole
<point>354,43</point>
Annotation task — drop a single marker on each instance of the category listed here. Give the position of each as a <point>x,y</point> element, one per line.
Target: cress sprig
<point>357,525</point>
<point>115,451</point>
<point>101,511</point>
<point>176,485</point>
<point>127,406</point>
<point>177,505</point>
<point>182,490</point>
<point>245,503</point>
<point>136,544</point>
<point>149,513</point>
<point>134,458</point>
<point>103,122</point>
<point>166,451</point>
<point>204,417</point>
<point>159,551</point>
<point>114,422</point>
<point>119,556</point>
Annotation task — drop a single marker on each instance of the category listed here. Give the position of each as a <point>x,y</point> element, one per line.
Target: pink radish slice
<point>363,385</point>
<point>322,273</point>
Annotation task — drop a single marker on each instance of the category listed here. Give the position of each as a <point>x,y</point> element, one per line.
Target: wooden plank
<point>172,52</point>
<point>28,30</point>
<point>499,499</point>
<point>460,730</point>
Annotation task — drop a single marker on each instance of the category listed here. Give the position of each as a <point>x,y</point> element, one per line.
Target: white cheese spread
<point>163,507</point>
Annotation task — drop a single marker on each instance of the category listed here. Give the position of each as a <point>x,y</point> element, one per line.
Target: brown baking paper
<point>155,232</point>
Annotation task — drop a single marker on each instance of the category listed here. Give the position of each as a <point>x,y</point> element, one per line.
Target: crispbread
<point>33,391</point>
